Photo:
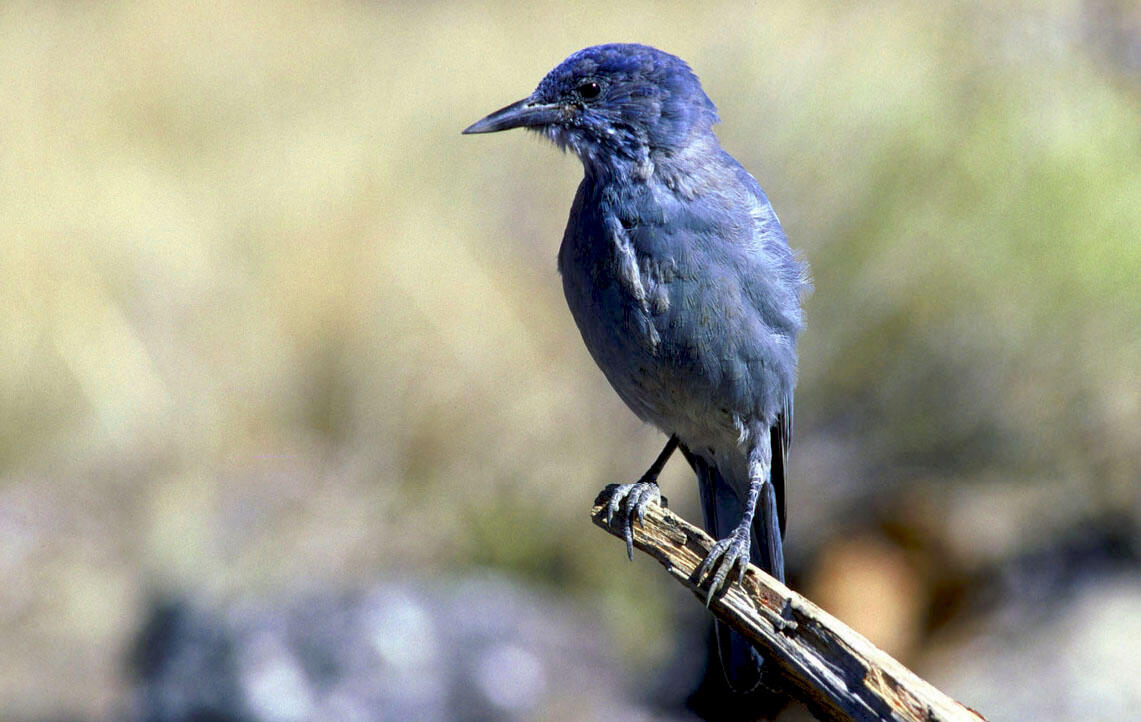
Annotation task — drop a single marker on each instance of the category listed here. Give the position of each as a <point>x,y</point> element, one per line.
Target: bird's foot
<point>629,501</point>
<point>727,554</point>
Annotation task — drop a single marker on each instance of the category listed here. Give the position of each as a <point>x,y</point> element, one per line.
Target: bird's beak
<point>526,113</point>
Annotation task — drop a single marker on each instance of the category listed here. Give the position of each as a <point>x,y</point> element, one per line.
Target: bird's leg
<point>631,500</point>
<point>732,552</point>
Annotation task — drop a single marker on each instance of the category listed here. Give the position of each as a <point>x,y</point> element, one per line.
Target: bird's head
<point>613,103</point>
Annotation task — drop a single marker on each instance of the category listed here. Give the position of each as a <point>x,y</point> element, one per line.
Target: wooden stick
<point>833,669</point>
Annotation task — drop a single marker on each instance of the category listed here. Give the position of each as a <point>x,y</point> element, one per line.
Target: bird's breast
<point>662,294</point>
<point>613,291</point>
<point>621,290</point>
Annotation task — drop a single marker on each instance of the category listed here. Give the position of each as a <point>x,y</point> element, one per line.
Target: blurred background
<point>294,423</point>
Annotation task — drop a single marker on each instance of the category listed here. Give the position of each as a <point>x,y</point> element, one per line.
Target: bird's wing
<point>789,280</point>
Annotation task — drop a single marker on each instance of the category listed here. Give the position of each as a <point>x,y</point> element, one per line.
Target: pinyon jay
<point>687,295</point>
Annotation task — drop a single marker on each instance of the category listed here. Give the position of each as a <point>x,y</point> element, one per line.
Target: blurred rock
<point>478,649</point>
<point>1077,661</point>
<point>1051,633</point>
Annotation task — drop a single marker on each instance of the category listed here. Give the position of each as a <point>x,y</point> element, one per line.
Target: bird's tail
<point>723,510</point>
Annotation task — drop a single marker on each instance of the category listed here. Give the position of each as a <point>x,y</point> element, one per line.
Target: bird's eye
<point>589,90</point>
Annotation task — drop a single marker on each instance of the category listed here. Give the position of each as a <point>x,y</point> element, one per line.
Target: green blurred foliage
<point>268,320</point>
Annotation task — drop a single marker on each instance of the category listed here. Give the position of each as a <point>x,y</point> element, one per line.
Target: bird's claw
<point>727,554</point>
<point>630,502</point>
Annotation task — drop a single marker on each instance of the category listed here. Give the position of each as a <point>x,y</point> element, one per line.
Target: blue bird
<point>686,293</point>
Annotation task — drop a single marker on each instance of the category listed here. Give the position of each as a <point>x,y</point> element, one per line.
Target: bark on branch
<point>838,673</point>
